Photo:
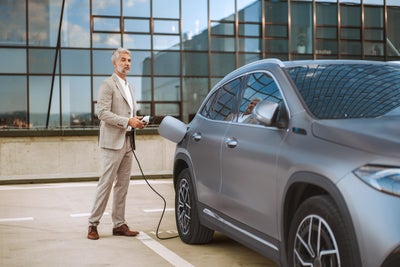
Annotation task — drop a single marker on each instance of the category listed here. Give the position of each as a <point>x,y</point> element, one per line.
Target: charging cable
<point>151,187</point>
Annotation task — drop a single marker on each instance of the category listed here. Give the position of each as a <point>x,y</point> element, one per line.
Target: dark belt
<point>127,133</point>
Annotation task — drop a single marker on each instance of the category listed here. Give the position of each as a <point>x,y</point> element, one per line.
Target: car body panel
<point>250,179</point>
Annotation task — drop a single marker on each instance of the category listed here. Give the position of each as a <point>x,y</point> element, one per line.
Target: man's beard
<point>123,70</point>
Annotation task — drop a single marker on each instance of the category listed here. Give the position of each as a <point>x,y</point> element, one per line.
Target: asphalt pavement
<point>46,225</point>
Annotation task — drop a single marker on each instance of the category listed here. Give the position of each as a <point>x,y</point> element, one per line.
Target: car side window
<point>222,102</point>
<point>260,86</point>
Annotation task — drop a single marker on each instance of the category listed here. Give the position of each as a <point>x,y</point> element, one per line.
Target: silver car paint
<point>249,181</point>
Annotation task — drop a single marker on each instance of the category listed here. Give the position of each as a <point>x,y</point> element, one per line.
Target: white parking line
<point>87,214</point>
<point>77,184</point>
<point>16,219</point>
<point>158,210</point>
<point>164,252</point>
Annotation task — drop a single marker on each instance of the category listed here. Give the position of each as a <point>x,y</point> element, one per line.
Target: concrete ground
<point>46,225</point>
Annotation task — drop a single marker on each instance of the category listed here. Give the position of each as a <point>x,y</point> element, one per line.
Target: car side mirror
<point>265,112</point>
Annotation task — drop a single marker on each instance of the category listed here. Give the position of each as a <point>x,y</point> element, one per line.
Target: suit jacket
<point>114,113</point>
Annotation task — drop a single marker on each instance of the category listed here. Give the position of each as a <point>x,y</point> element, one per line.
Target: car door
<point>206,134</point>
<point>248,158</point>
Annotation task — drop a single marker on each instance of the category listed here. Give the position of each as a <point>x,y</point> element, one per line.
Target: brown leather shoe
<point>124,230</point>
<point>92,233</point>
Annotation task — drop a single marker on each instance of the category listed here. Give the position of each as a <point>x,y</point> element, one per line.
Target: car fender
<point>302,185</point>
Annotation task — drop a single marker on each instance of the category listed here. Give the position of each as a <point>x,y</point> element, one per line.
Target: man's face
<point>123,64</point>
<point>251,105</point>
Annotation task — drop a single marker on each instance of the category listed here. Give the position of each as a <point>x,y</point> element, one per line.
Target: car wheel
<point>318,236</point>
<point>190,230</point>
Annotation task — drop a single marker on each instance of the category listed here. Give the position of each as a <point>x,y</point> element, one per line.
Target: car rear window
<point>339,91</point>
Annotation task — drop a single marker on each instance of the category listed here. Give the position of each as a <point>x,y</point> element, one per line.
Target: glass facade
<point>55,53</point>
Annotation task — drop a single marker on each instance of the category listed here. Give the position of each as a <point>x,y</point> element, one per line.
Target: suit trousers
<point>116,167</point>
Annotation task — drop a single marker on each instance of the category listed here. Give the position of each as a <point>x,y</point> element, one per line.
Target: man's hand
<point>136,122</point>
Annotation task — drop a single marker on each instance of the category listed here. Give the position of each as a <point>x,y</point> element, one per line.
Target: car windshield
<point>339,91</point>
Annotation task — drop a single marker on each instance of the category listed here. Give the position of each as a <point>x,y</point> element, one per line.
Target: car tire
<point>190,230</point>
<point>319,237</point>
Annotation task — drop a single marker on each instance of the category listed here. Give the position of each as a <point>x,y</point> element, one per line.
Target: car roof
<point>270,63</point>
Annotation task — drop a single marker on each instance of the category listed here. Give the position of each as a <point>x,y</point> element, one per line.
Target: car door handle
<point>231,142</point>
<point>196,137</point>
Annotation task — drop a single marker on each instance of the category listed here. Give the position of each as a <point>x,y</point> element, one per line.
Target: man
<point>117,114</point>
<point>246,116</point>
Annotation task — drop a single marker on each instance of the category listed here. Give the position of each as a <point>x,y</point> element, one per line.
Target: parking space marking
<point>164,252</point>
<point>77,184</point>
<point>86,214</point>
<point>16,219</point>
<point>157,210</point>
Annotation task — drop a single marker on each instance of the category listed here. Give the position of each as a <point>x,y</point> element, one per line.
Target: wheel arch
<point>181,162</point>
<point>302,186</point>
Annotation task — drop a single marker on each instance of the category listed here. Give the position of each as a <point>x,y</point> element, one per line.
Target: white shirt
<point>125,86</point>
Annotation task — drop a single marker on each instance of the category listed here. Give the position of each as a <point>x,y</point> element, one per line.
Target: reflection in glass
<point>222,10</point>
<point>12,60</point>
<point>76,25</point>
<point>224,28</point>
<point>75,61</point>
<point>194,18</point>
<point>137,25</point>
<point>106,24</point>
<point>13,102</point>
<point>166,26</point>
<point>222,63</point>
<point>97,80</point>
<point>248,58</point>
<point>166,42</point>
<point>12,23</point>
<point>373,17</point>
<point>136,8</point>
<point>109,8</point>
<point>276,46</point>
<point>195,64</point>
<point>167,63</point>
<point>41,60</point>
<point>249,45</point>
<point>276,11</point>
<point>326,32</point>
<point>39,98</point>
<point>393,3</point>
<point>138,63</point>
<point>167,109</point>
<point>253,30</point>
<point>223,44</point>
<point>106,40</point>
<point>167,89</point>
<point>194,91</point>
<point>302,27</point>
<point>142,86</point>
<point>166,9</point>
<point>350,48</point>
<point>102,62</point>
<point>44,21</point>
<point>350,34</point>
<point>249,10</point>
<point>276,31</point>
<point>393,38</point>
<point>326,47</point>
<point>350,15</point>
<point>143,109</point>
<point>137,41</point>
<point>76,99</point>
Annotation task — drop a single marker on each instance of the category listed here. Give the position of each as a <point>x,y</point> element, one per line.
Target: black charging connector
<point>132,140</point>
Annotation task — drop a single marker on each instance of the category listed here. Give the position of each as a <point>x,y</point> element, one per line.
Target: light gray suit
<point>116,153</point>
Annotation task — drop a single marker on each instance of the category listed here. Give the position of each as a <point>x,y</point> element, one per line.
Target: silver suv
<point>297,160</point>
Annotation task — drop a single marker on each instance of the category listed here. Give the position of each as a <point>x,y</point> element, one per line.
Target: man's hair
<point>115,54</point>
